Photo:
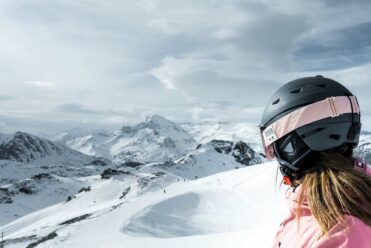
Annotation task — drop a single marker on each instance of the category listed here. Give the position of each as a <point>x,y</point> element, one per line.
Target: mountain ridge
<point>25,147</point>
<point>156,139</point>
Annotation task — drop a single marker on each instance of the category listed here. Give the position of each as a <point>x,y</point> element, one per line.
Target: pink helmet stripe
<point>330,107</point>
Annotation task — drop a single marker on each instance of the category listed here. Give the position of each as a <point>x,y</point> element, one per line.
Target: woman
<point>311,126</point>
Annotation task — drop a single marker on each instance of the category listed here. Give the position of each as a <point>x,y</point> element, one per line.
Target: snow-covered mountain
<point>213,157</point>
<point>24,147</point>
<point>155,140</point>
<point>36,173</point>
<point>90,142</point>
<point>229,208</point>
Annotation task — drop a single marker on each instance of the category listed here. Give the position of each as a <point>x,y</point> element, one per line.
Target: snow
<point>203,198</point>
<point>65,169</point>
<point>60,182</point>
<point>4,137</point>
<point>38,173</point>
<point>204,162</point>
<point>363,150</point>
<point>238,207</point>
<point>190,214</point>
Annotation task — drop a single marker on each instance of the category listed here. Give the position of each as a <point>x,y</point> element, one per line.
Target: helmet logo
<point>270,134</point>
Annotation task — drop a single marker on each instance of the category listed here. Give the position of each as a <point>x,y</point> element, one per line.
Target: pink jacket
<point>308,234</point>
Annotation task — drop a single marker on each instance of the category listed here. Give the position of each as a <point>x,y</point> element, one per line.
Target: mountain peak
<point>156,123</point>
<point>159,137</point>
<point>158,119</point>
<point>24,147</point>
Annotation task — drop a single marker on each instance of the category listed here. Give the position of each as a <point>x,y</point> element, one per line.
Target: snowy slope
<point>25,188</point>
<point>241,208</point>
<point>36,173</point>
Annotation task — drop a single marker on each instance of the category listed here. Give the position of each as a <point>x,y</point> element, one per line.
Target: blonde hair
<point>333,188</point>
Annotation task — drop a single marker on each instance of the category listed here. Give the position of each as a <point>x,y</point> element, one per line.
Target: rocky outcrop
<point>241,151</point>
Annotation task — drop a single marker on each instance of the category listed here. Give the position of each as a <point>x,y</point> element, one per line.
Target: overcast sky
<point>90,63</point>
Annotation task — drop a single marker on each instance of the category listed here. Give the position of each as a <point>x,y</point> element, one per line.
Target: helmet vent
<point>276,101</point>
<point>334,136</point>
<point>296,91</point>
<point>322,85</point>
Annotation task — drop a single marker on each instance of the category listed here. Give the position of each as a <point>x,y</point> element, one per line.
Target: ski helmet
<point>308,115</point>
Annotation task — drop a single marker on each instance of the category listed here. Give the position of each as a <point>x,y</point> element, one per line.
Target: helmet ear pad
<point>291,153</point>
<point>328,133</point>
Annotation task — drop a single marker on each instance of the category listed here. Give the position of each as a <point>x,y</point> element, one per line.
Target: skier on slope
<point>311,126</point>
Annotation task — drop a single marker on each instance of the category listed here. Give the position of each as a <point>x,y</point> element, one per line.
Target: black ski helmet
<point>326,134</point>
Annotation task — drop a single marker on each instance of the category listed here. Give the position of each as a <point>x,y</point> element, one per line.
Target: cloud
<point>225,34</point>
<point>41,84</point>
<point>148,4</point>
<point>165,26</point>
<point>80,109</point>
<point>342,48</point>
<point>219,111</point>
<point>76,108</point>
<point>172,69</point>
<point>38,125</point>
<point>208,80</point>
<point>6,97</point>
<point>186,60</point>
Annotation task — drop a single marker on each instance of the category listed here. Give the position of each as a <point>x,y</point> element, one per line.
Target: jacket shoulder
<point>353,235</point>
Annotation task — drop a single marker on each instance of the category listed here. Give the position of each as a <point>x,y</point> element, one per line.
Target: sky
<point>104,64</point>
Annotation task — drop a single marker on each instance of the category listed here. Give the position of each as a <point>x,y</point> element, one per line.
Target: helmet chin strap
<point>287,181</point>
<point>288,175</point>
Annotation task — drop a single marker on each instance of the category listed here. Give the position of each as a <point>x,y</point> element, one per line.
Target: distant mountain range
<point>37,172</point>
<point>155,140</point>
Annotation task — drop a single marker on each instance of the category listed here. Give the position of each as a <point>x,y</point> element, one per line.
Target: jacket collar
<point>292,199</point>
